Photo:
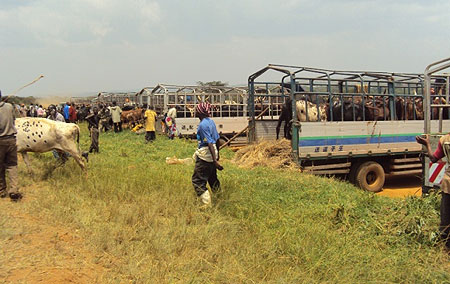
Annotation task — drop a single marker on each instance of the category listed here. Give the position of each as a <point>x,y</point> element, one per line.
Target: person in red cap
<point>206,156</point>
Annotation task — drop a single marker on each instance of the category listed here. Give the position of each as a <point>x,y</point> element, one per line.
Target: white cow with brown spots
<point>43,135</point>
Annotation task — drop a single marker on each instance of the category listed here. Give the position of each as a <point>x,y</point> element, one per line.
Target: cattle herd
<point>342,107</point>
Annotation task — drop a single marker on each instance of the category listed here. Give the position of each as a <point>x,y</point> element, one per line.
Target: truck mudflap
<point>436,172</point>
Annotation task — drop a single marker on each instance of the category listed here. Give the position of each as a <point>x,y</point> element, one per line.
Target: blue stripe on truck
<point>355,140</point>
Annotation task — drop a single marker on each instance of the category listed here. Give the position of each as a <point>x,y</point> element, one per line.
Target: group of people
<point>33,110</point>
<point>69,111</point>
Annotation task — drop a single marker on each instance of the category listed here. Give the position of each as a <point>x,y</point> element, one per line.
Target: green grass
<point>266,226</point>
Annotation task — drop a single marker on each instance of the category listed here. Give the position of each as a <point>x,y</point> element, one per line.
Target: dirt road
<point>36,251</point>
<point>402,186</point>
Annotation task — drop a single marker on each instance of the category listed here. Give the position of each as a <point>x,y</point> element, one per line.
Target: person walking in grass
<point>440,153</point>
<point>104,116</point>
<point>206,156</point>
<point>150,120</point>
<point>93,126</point>
<point>116,111</point>
<point>8,152</point>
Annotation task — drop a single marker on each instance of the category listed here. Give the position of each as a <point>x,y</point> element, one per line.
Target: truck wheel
<point>352,174</point>
<point>370,176</point>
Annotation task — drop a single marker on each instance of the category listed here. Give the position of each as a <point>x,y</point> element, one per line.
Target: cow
<point>377,109</point>
<point>41,135</point>
<point>306,111</point>
<point>286,117</point>
<point>409,108</point>
<point>347,110</point>
<point>435,110</point>
<point>132,116</point>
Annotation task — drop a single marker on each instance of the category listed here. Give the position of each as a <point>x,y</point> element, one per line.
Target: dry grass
<point>273,154</point>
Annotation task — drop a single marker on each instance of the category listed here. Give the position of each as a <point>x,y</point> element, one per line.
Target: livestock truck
<point>228,106</point>
<point>433,173</point>
<point>371,122</point>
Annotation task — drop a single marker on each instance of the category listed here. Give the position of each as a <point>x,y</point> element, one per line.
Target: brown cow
<point>435,110</point>
<point>377,109</point>
<point>409,108</point>
<point>132,116</point>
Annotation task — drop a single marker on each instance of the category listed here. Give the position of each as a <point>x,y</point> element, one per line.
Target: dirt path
<point>402,186</point>
<point>33,251</point>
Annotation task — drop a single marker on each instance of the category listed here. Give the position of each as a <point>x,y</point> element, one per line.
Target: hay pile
<point>273,154</point>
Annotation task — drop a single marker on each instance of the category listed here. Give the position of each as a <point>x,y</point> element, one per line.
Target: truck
<point>228,107</point>
<point>372,119</point>
<point>433,173</point>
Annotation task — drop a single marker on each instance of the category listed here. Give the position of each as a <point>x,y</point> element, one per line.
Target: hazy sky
<point>105,45</point>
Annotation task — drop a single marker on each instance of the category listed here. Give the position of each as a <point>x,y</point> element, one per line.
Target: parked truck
<point>366,121</point>
<point>433,173</point>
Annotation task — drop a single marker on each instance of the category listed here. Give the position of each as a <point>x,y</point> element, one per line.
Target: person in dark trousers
<point>116,112</point>
<point>104,116</point>
<point>150,120</point>
<point>8,152</point>
<point>440,152</point>
<point>93,122</point>
<point>206,156</point>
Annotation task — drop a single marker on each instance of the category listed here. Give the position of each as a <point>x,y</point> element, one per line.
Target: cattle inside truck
<point>228,106</point>
<point>359,124</point>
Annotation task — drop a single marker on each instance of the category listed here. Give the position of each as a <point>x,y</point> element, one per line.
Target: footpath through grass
<point>265,226</point>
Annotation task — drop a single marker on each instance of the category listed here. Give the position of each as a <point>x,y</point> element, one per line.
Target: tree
<point>213,83</point>
<point>20,100</point>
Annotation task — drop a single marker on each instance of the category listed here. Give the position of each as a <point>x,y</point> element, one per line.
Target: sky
<point>86,46</point>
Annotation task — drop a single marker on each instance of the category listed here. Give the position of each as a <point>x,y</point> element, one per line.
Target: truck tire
<point>370,176</point>
<point>352,174</point>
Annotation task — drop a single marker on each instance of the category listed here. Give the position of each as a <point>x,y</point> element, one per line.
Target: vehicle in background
<point>228,106</point>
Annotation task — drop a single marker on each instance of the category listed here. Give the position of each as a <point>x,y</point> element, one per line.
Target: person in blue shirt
<point>206,156</point>
<point>66,112</point>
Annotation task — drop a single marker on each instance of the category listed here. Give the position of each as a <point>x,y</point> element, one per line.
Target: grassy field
<point>266,226</point>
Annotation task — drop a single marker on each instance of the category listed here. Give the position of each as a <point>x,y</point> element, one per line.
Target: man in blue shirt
<point>206,156</point>
<point>66,112</point>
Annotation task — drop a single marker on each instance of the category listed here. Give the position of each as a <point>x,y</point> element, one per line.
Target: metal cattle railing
<point>121,98</point>
<point>225,101</point>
